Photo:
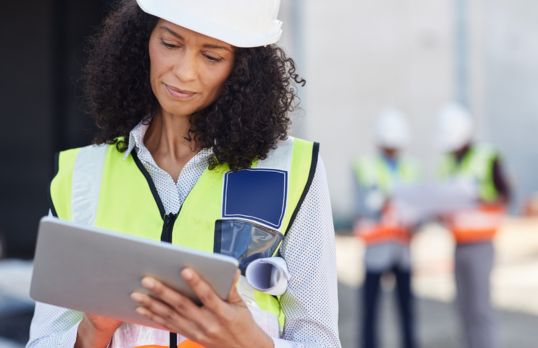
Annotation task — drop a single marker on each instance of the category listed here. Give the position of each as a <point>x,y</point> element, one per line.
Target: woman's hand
<point>216,323</point>
<point>95,331</point>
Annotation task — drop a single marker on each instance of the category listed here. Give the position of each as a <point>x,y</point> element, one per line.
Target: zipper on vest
<point>166,236</point>
<point>168,226</point>
<point>173,340</point>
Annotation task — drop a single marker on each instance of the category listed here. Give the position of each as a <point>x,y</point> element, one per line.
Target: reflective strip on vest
<point>121,199</point>
<point>138,336</point>
<point>379,233</point>
<point>61,186</point>
<point>385,230</point>
<point>87,173</point>
<point>476,225</point>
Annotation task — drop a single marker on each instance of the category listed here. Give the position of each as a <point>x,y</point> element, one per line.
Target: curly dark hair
<point>245,122</point>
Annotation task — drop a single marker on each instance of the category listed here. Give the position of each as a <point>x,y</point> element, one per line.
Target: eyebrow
<point>173,33</point>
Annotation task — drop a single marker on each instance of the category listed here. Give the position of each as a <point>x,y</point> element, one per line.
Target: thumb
<point>233,296</point>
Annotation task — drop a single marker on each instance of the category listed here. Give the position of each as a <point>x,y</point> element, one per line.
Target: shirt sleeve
<point>53,327</point>
<point>311,300</point>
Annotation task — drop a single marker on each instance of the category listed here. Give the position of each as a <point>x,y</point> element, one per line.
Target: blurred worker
<point>473,229</point>
<point>386,239</point>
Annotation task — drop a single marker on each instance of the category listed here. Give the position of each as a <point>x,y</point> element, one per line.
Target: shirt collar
<point>136,137</point>
<point>136,141</point>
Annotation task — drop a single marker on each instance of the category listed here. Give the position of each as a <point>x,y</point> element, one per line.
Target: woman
<point>191,100</point>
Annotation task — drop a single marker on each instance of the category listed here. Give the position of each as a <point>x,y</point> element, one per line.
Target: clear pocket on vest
<point>244,240</point>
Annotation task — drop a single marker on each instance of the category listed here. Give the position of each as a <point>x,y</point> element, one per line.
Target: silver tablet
<point>95,271</point>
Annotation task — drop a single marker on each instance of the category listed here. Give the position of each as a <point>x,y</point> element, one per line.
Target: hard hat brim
<point>176,12</point>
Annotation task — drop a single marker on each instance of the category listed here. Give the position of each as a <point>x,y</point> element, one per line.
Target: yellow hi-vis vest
<point>100,186</point>
<point>476,166</point>
<point>482,223</point>
<point>375,172</point>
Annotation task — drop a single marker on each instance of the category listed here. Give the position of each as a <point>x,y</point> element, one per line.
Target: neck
<point>168,141</point>
<point>389,153</point>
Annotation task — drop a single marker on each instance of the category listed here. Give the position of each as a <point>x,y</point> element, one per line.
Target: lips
<point>179,93</point>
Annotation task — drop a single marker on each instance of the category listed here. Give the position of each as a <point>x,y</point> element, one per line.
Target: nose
<point>186,67</point>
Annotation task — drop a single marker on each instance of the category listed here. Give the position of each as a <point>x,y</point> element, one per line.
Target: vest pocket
<point>246,241</point>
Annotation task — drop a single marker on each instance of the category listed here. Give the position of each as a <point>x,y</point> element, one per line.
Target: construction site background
<point>358,57</point>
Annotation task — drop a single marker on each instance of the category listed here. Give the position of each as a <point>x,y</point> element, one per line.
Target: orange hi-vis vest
<point>386,230</point>
<point>480,224</point>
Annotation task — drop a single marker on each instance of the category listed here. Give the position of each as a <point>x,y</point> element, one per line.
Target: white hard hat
<point>455,127</point>
<point>392,130</point>
<point>241,23</point>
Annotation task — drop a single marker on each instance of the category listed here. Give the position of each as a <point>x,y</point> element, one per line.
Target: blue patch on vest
<point>256,194</point>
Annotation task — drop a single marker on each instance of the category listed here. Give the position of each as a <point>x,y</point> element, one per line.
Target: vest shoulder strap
<point>366,171</point>
<point>75,188</point>
<point>481,160</point>
<point>303,166</point>
<point>60,187</point>
<point>409,169</point>
<point>374,170</point>
<point>87,174</point>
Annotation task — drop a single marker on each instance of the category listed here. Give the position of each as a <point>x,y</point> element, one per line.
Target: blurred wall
<point>509,92</point>
<point>362,56</point>
<point>359,56</point>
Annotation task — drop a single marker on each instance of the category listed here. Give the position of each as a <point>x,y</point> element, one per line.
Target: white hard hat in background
<point>392,130</point>
<point>241,23</point>
<point>455,127</point>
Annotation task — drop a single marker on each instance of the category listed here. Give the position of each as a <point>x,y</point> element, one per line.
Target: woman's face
<point>187,69</point>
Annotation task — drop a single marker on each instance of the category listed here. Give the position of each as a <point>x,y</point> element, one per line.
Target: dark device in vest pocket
<point>245,241</point>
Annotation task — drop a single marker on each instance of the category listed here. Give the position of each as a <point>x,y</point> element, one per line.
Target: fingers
<point>203,291</point>
<point>233,295</point>
<point>177,313</point>
<point>170,296</point>
<point>215,321</point>
<point>162,314</point>
<point>165,302</point>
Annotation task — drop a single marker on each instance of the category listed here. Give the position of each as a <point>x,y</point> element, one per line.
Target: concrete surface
<point>437,323</point>
<point>514,285</point>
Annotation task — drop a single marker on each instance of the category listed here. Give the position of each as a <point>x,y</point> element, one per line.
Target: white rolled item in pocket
<point>269,275</point>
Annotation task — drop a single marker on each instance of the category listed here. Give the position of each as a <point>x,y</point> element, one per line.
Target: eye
<point>213,58</point>
<point>168,44</point>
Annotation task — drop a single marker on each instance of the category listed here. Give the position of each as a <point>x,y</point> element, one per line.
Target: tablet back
<point>95,271</point>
